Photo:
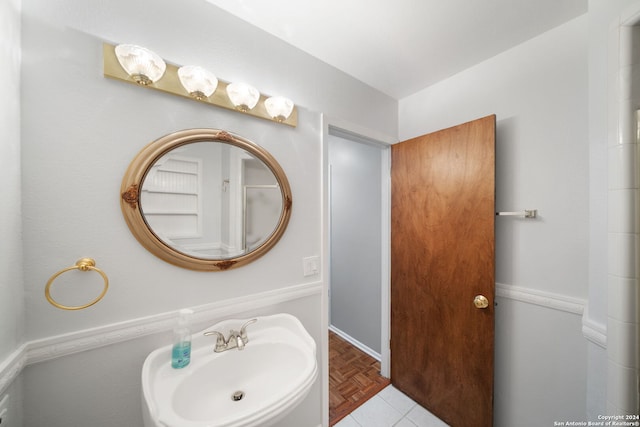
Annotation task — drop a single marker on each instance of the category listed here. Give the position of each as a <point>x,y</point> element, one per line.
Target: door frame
<point>350,131</point>
<point>385,242</point>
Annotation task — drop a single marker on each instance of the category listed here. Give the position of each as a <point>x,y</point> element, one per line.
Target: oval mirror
<point>206,199</point>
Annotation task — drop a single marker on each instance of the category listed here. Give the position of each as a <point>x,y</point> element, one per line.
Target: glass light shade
<point>243,96</point>
<point>200,83</point>
<point>279,107</point>
<point>143,65</point>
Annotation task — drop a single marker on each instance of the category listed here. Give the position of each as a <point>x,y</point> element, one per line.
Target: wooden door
<point>442,257</point>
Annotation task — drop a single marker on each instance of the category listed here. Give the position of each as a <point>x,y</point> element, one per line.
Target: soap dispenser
<point>181,352</point>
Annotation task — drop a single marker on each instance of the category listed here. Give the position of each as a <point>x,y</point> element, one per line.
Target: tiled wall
<point>623,228</point>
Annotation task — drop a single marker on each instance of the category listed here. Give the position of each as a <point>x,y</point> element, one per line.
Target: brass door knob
<point>480,301</point>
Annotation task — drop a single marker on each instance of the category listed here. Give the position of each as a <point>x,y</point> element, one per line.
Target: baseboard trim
<point>348,338</point>
<point>53,347</point>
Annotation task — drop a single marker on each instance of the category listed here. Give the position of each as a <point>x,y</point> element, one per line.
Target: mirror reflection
<point>206,199</point>
<point>211,200</point>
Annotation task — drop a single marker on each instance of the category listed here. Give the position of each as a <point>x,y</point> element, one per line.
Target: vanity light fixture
<point>143,65</point>
<point>279,108</point>
<point>200,83</point>
<point>138,65</point>
<point>243,96</point>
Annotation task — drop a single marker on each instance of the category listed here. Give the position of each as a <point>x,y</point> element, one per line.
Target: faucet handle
<point>243,330</point>
<point>221,344</point>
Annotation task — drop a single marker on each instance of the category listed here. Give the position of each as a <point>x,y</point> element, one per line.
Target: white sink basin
<point>274,371</point>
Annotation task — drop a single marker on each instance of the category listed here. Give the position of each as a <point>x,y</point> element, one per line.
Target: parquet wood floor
<point>354,378</point>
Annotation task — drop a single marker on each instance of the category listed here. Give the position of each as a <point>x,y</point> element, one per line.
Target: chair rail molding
<point>11,367</point>
<point>541,298</point>
<point>591,330</point>
<point>53,347</point>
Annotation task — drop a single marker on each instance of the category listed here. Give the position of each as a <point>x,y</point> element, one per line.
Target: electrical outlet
<point>4,411</point>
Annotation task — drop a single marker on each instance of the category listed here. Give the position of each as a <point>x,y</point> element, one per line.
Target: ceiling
<point>402,46</point>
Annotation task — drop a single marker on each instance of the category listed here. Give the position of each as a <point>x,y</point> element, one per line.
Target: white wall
<point>11,292</point>
<point>79,133</point>
<point>538,91</point>
<point>85,137</point>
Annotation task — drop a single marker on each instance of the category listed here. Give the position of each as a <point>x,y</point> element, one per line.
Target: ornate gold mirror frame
<point>132,184</point>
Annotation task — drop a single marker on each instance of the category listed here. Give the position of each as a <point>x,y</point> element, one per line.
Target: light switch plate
<point>311,265</point>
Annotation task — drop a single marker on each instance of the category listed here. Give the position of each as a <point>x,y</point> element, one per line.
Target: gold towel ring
<point>83,264</point>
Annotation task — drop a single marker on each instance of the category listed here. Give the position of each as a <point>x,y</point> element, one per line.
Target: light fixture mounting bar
<point>170,83</point>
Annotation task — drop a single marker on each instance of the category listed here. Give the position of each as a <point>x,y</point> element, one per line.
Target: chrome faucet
<point>236,339</point>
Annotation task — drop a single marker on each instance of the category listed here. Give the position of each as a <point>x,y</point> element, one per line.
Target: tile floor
<point>390,408</point>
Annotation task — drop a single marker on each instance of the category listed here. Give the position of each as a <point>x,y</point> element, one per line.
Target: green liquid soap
<point>181,355</point>
<point>181,351</point>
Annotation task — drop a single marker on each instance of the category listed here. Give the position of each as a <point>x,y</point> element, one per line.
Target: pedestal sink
<point>255,386</point>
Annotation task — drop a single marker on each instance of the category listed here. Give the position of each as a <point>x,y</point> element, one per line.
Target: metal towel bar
<point>530,213</point>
